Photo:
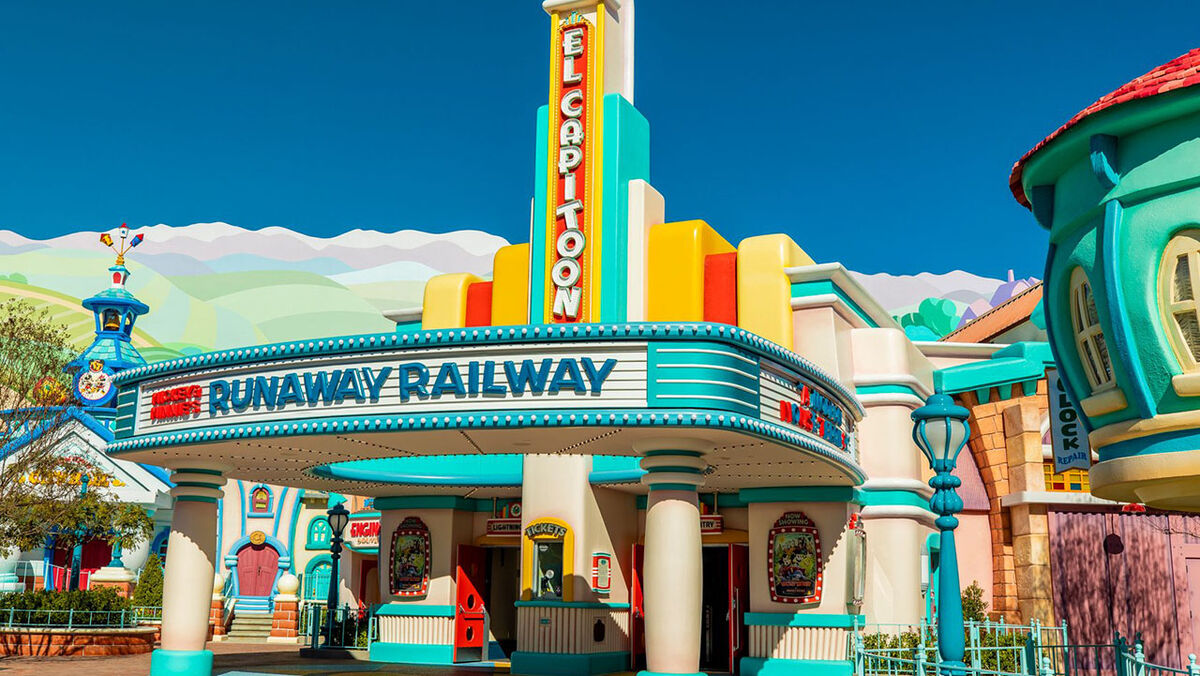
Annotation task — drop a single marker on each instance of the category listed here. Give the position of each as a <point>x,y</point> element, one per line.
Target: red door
<point>470,615</point>
<point>637,609</point>
<point>257,566</point>
<point>739,598</point>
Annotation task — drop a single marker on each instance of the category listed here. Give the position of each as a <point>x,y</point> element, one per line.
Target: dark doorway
<point>503,591</point>
<point>714,610</point>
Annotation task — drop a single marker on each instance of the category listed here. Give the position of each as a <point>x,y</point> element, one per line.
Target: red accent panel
<point>739,600</point>
<point>637,610</point>
<point>470,613</point>
<point>479,304</point>
<point>720,288</point>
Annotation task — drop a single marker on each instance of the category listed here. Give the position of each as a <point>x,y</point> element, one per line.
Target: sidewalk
<point>231,659</point>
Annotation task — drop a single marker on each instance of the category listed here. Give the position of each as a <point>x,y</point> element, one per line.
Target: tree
<point>150,584</point>
<point>973,605</point>
<point>41,485</point>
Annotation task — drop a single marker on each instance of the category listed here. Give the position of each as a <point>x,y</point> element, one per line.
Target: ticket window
<point>547,557</point>
<point>548,569</point>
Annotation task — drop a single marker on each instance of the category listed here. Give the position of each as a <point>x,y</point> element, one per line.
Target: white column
<point>673,566</point>
<point>187,594</point>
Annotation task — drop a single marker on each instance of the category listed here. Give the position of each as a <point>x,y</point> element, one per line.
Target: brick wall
<point>79,643</point>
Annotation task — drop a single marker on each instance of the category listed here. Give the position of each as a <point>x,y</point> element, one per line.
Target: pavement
<point>230,659</point>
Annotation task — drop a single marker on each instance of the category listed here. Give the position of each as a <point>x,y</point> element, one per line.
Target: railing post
<point>70,618</point>
<point>1192,669</point>
<point>1047,670</point>
<point>974,644</point>
<point>858,652</point>
<point>1139,659</point>
<point>920,660</point>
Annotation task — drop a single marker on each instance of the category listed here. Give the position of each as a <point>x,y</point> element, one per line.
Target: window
<point>316,580</point>
<point>1089,337</point>
<point>547,569</point>
<point>1178,278</point>
<point>319,533</point>
<point>112,320</point>
<point>260,500</point>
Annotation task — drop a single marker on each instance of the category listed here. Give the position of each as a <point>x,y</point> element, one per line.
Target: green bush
<point>90,607</point>
<point>973,605</point>
<point>149,590</point>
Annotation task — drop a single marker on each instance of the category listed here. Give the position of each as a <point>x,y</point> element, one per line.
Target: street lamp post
<point>338,517</point>
<point>77,550</point>
<point>940,430</point>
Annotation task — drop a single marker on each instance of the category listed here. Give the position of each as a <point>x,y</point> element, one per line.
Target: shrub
<point>149,590</point>
<point>93,607</point>
<point>973,605</point>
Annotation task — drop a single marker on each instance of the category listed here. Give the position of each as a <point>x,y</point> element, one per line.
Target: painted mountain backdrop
<point>215,285</point>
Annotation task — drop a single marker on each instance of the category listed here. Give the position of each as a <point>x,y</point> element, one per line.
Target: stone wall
<point>1007,447</point>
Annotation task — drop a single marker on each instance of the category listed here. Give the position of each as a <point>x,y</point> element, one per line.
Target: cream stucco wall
<point>448,528</point>
<point>831,519</point>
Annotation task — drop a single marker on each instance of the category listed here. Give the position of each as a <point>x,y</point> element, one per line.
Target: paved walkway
<point>230,659</point>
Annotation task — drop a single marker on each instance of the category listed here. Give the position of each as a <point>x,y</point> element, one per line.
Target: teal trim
<point>867,496</point>
<point>702,375</point>
<point>526,663</point>
<point>819,287</point>
<point>180,662</point>
<point>798,494</point>
<point>279,510</point>
<point>434,502</point>
<point>1010,365</point>
<point>195,498</point>
<point>626,151</point>
<point>537,226</point>
<point>196,484</point>
<point>824,620</point>
<point>291,545</point>
<point>1180,441</point>
<point>410,653</point>
<point>413,610</point>
<point>766,666</point>
<point>670,468</point>
<point>540,603</point>
<point>211,472</point>
<point>672,487</point>
<point>407,327</point>
<point>1125,349</point>
<point>887,389</point>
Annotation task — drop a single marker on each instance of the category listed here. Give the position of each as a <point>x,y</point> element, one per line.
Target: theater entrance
<point>488,585</point>
<point>725,594</point>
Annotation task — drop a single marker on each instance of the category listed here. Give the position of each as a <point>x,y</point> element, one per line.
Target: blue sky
<point>876,134</point>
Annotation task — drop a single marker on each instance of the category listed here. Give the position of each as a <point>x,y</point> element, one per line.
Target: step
<point>252,626</point>
<point>230,638</point>
<point>249,633</point>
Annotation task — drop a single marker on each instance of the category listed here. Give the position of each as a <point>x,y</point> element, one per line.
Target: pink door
<point>257,566</point>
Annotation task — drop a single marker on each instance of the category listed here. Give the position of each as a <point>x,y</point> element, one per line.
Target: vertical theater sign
<point>573,205</point>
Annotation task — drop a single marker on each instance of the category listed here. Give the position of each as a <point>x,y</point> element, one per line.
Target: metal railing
<point>67,619</point>
<point>997,647</point>
<point>352,628</point>
<point>1133,663</point>
<point>147,614</point>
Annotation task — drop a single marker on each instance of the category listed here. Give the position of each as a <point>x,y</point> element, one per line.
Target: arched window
<point>260,500</point>
<point>1089,337</point>
<point>319,533</point>
<point>1178,278</point>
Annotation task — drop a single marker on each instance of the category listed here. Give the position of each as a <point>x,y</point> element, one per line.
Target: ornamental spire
<point>124,247</point>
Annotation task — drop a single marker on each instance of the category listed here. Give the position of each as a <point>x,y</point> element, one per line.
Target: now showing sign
<point>1067,434</point>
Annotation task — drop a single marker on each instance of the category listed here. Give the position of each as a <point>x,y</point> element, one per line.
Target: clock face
<point>94,385</point>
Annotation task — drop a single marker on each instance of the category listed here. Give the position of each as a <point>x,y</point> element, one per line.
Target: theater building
<point>638,445</point>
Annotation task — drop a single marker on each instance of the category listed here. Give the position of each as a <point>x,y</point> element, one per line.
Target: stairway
<point>249,626</point>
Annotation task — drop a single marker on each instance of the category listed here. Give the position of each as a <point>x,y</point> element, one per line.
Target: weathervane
<point>124,248</point>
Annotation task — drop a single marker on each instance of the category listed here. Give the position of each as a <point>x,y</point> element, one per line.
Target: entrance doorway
<point>487,587</point>
<point>725,597</point>
<point>257,566</point>
<point>368,582</point>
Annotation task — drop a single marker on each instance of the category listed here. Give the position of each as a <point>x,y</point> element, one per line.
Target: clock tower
<point>115,310</point>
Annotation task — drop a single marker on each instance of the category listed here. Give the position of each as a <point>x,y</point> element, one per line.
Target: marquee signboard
<point>800,404</point>
<point>480,378</point>
<point>573,206</point>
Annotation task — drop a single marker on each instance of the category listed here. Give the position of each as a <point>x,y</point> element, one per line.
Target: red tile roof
<point>1183,71</point>
<point>999,319</point>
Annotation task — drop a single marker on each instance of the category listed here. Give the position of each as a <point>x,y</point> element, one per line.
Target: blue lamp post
<point>940,431</point>
<point>77,550</point>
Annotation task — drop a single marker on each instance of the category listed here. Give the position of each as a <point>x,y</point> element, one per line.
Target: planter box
<point>46,642</point>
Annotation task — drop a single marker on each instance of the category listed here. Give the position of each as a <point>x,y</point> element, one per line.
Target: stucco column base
<point>112,574</point>
<point>672,567</point>
<point>188,578</point>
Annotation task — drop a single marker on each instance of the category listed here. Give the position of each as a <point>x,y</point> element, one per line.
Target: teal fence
<point>346,628</point>
<point>1001,650</point>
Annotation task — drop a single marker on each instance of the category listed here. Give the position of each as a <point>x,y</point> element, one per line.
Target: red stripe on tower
<point>479,304</point>
<point>720,288</point>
